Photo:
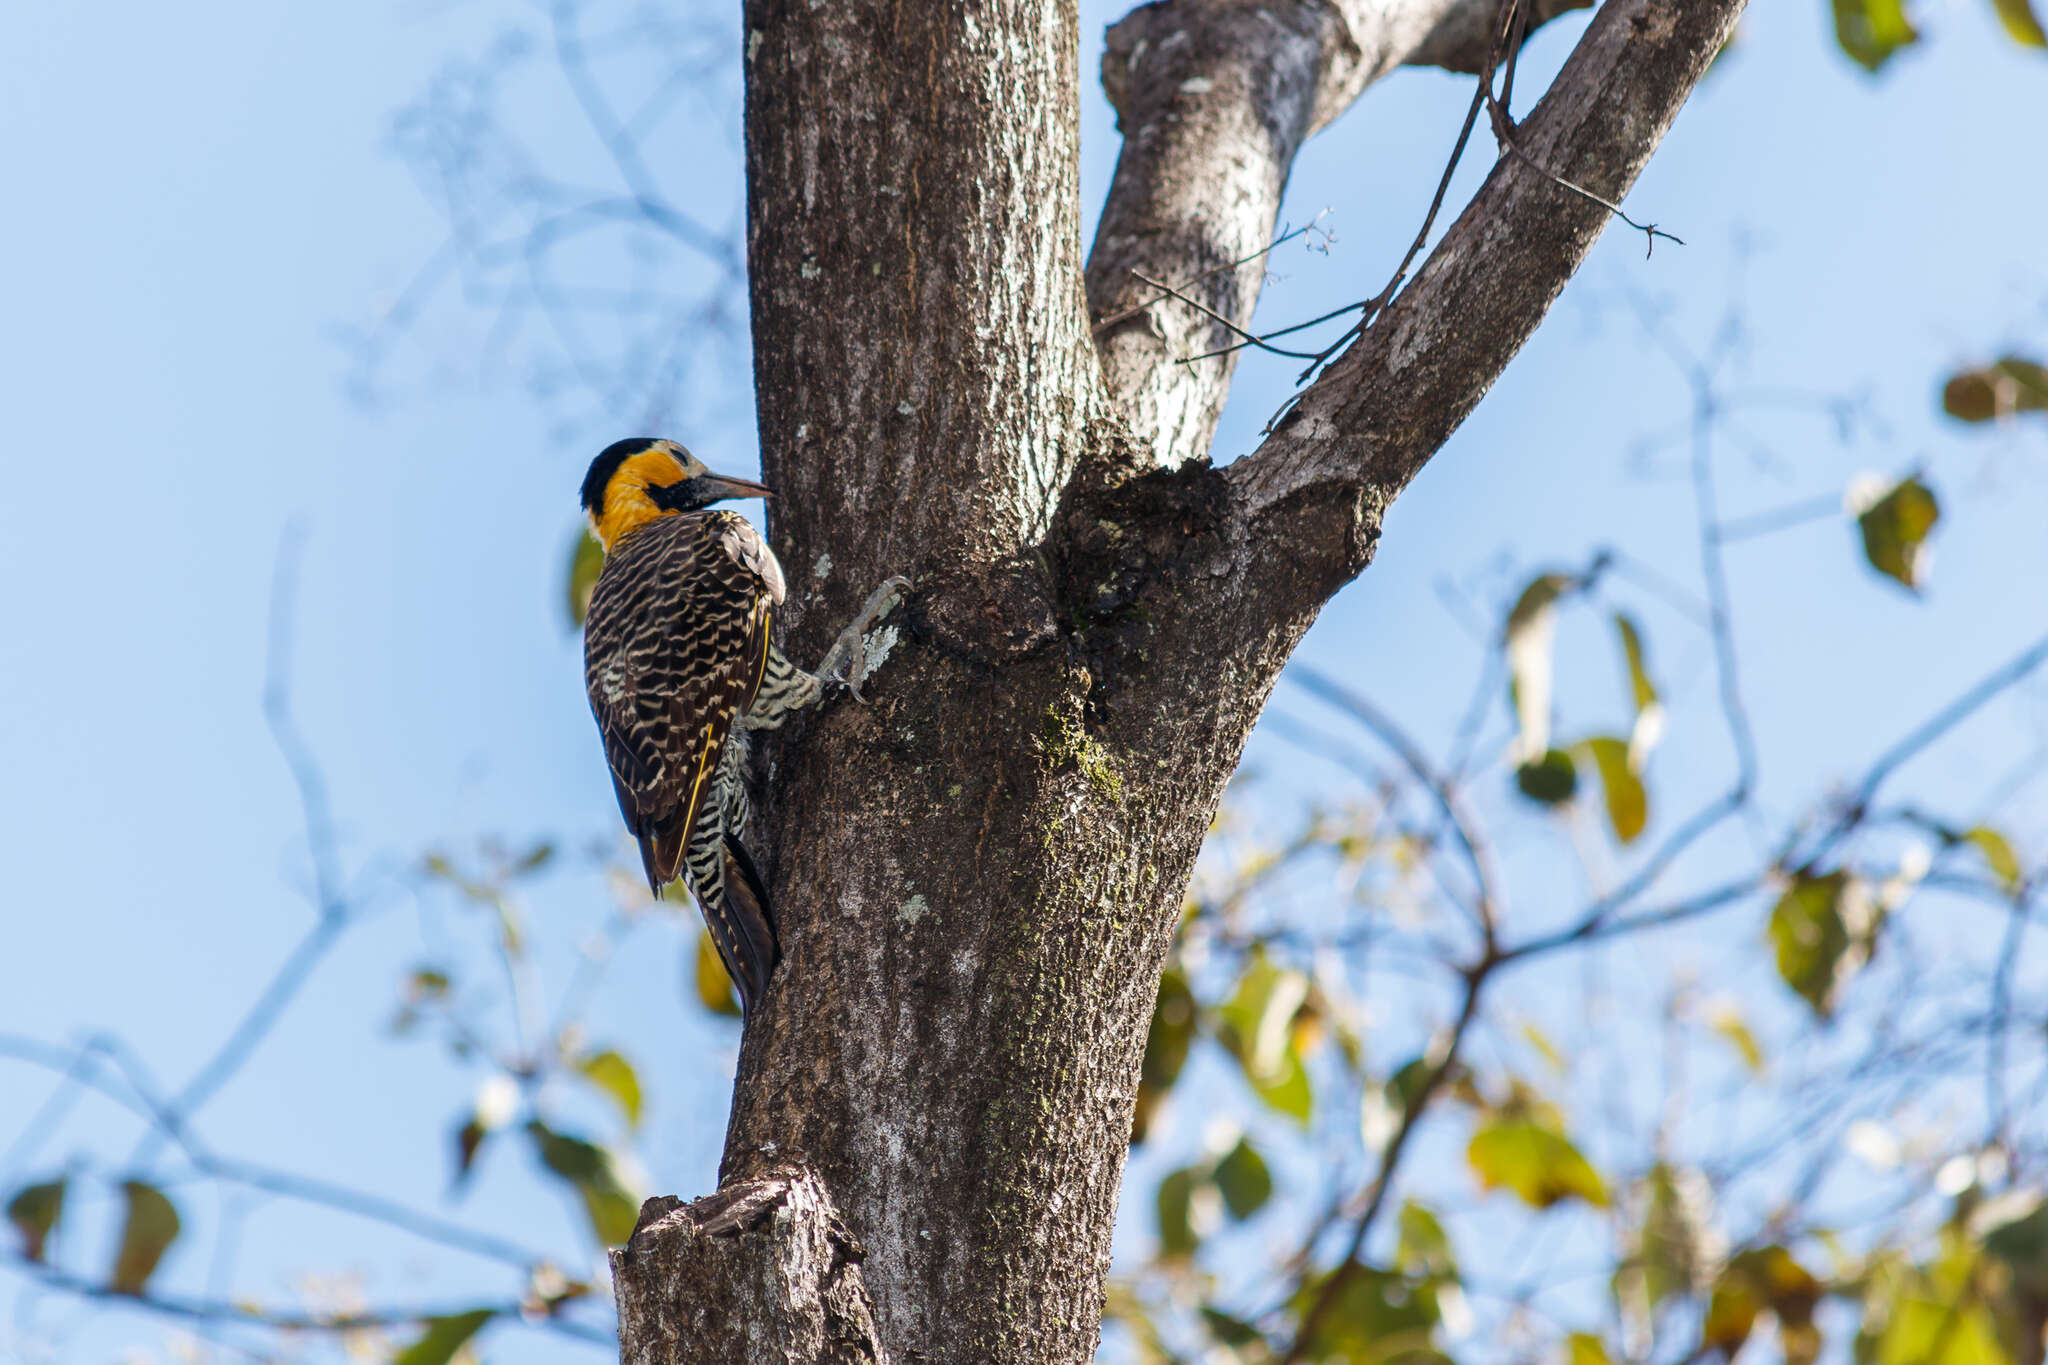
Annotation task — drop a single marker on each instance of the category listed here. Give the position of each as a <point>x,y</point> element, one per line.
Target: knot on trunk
<point>762,1272</point>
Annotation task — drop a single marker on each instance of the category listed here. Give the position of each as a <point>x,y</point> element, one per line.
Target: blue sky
<point>202,205</point>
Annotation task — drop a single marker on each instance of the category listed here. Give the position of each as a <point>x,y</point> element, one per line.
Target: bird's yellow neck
<point>626,504</point>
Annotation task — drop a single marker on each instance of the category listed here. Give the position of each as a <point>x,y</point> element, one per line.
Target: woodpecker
<point>680,661</point>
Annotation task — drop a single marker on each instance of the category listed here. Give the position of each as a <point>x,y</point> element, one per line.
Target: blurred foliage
<point>2002,389</point>
<point>1806,1125</point>
<point>1872,32</point>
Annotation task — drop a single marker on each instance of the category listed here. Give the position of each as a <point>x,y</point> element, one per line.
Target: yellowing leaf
<point>147,1232</point>
<point>2021,22</point>
<point>443,1338</point>
<point>1895,530</point>
<point>714,987</point>
<point>1540,1040</point>
<point>1731,1317</point>
<point>586,561</point>
<point>1628,804</point>
<point>1931,1332</point>
<point>1732,1028</point>
<point>1649,724</point>
<point>1537,1163</point>
<point>1583,1348</point>
<point>614,1075</point>
<point>1812,938</point>
<point>1998,856</point>
<point>1753,1281</point>
<point>34,1211</point>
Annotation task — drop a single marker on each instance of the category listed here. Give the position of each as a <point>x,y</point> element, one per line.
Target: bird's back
<point>673,648</point>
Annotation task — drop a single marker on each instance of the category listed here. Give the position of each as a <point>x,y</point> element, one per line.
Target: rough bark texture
<point>977,874</point>
<point>763,1271</point>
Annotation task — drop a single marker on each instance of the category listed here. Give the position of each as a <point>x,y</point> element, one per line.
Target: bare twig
<point>1126,314</point>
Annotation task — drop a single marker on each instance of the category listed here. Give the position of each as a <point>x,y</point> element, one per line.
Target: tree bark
<point>977,874</point>
<point>761,1271</point>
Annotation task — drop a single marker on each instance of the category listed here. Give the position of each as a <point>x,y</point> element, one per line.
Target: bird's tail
<point>734,902</point>
<point>747,909</point>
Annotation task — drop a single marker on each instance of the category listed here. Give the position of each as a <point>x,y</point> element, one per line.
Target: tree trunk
<point>978,872</point>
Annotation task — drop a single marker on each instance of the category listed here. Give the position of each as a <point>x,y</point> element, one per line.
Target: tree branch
<point>1215,98</point>
<point>1386,405</point>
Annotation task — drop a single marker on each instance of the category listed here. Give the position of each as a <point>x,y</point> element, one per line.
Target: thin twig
<point>1126,314</point>
<point>1245,337</point>
<point>1390,1158</point>
<point>334,910</point>
<point>1439,787</point>
<point>217,1310</point>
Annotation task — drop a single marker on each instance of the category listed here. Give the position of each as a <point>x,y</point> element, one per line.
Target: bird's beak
<point>718,487</point>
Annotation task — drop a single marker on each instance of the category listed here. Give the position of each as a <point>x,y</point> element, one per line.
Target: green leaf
<point>469,1140</point>
<point>1628,805</point>
<point>1531,628</point>
<point>1289,1093</point>
<point>1166,1047</point>
<point>1551,780</point>
<point>1232,1332</point>
<point>1244,1180</point>
<point>1895,529</point>
<point>1668,1246</point>
<point>1176,1204</point>
<point>1537,1163</point>
<point>714,987</point>
<point>614,1075</point>
<point>1375,1315</point>
<point>443,1338</point>
<point>596,1174</point>
<point>2021,23</point>
<point>1812,938</point>
<point>148,1230</point>
<point>2014,1228</point>
<point>1259,1015</point>
<point>1998,856</point>
<point>34,1211</point>
<point>1870,31</point>
<point>586,561</point>
<point>1423,1247</point>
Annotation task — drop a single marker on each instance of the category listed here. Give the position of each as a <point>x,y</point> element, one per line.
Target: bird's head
<point>632,482</point>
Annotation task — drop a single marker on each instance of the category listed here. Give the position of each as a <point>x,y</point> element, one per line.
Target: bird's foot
<point>848,661</point>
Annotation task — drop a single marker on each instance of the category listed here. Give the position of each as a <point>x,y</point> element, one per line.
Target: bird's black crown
<point>607,464</point>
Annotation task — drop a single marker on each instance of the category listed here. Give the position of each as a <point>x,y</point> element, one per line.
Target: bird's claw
<point>847,664</point>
